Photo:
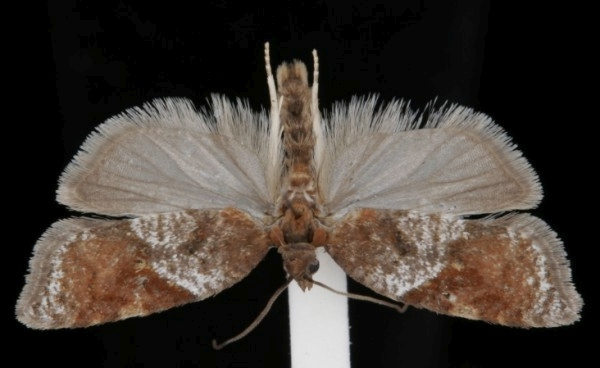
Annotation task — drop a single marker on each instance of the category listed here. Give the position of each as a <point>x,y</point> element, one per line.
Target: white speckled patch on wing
<point>392,252</point>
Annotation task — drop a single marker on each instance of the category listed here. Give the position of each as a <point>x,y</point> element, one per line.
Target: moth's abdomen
<point>296,117</point>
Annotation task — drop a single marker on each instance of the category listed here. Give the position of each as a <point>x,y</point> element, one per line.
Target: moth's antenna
<point>315,85</point>
<point>271,81</point>
<point>316,114</point>
<point>256,321</point>
<point>365,298</point>
<point>274,129</point>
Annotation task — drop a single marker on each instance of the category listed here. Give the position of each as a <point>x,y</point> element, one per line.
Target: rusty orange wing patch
<point>88,271</point>
<point>510,271</point>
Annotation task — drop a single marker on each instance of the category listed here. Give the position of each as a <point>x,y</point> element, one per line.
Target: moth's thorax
<point>298,235</point>
<point>298,222</point>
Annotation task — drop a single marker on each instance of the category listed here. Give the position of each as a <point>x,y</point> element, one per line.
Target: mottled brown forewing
<point>509,271</point>
<point>86,272</point>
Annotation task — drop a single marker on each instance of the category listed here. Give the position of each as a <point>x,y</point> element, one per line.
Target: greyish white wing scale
<point>167,156</point>
<point>458,162</point>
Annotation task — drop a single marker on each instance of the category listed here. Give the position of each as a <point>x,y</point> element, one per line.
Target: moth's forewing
<point>87,271</point>
<point>511,271</point>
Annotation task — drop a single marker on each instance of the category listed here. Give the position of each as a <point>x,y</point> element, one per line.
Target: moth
<point>198,197</point>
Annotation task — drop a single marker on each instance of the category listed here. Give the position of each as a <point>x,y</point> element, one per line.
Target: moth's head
<point>300,262</point>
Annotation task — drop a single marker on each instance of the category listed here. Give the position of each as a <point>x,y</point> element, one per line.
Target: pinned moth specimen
<point>200,196</point>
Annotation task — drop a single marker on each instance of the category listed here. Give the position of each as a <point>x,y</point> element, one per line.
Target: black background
<point>88,60</point>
